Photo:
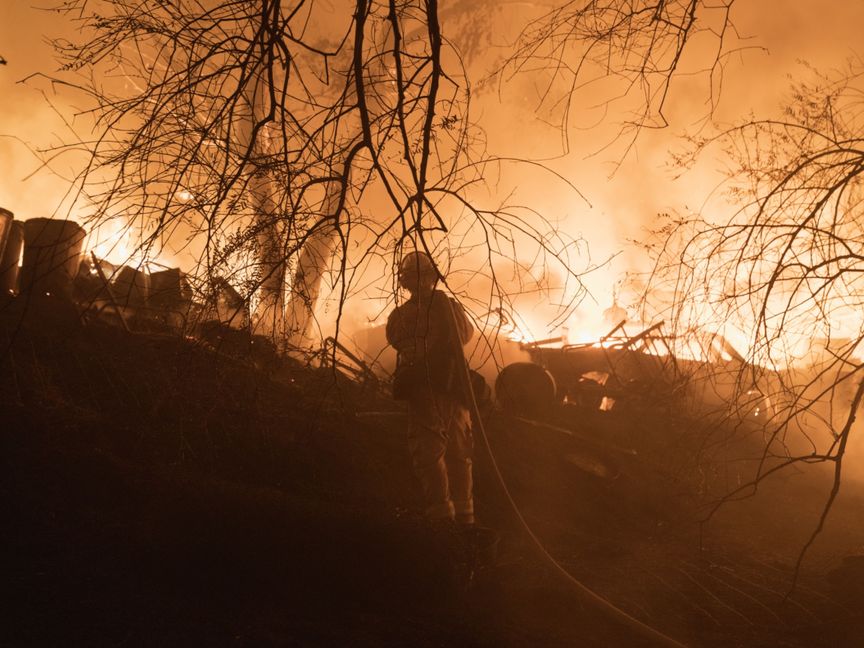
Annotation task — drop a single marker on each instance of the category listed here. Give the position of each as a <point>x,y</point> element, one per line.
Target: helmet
<point>417,268</point>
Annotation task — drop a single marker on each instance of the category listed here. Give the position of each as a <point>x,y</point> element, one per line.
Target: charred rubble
<point>169,478</point>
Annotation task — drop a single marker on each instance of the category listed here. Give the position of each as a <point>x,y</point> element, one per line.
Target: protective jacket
<point>425,331</point>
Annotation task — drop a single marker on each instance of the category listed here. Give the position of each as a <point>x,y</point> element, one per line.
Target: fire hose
<point>585,592</point>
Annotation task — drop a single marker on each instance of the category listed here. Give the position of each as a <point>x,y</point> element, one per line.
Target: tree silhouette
<point>292,141</point>
<point>786,268</point>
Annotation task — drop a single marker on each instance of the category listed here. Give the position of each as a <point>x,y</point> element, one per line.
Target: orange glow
<point>110,242</point>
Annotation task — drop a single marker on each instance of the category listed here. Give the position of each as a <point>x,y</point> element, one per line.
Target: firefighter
<point>428,331</point>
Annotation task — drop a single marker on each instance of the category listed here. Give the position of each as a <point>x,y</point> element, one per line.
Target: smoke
<point>616,192</point>
<point>26,120</point>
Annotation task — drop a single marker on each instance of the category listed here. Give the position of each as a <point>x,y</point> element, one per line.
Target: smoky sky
<point>622,193</point>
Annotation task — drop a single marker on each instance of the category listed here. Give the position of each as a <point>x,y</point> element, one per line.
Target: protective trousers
<point>441,449</point>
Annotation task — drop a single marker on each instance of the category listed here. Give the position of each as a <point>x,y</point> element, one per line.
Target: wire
<point>588,594</point>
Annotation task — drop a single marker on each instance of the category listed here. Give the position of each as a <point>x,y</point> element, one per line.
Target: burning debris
<point>593,393</point>
<point>207,442</point>
<point>43,258</point>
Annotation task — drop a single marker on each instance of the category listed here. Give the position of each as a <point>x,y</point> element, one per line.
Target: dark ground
<point>158,492</point>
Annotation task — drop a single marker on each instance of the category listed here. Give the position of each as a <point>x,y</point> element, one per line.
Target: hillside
<point>168,491</point>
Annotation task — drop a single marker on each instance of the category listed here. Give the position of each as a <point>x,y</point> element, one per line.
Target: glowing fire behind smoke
<point>113,241</point>
<point>110,242</point>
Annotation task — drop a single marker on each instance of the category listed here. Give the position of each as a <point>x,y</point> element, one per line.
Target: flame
<point>116,241</point>
<point>110,241</point>
<point>520,336</point>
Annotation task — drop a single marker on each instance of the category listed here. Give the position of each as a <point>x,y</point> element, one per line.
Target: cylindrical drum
<point>526,389</point>
<point>132,287</point>
<point>52,252</point>
<point>6,218</point>
<point>10,257</point>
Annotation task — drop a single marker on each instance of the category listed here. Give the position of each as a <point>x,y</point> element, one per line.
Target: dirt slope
<point>159,491</point>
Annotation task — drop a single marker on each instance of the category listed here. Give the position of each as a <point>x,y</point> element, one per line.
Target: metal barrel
<point>6,218</point>
<point>132,287</point>
<point>11,242</point>
<point>52,253</point>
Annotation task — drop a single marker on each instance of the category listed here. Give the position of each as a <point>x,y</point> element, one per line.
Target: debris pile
<point>161,490</point>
